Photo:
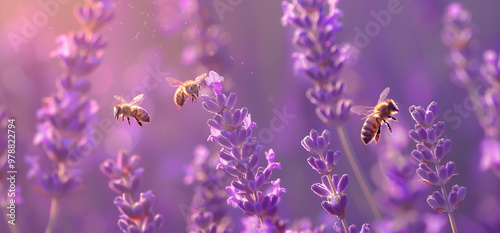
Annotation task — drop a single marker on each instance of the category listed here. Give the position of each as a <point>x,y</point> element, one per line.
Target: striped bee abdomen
<point>143,115</point>
<point>180,97</point>
<point>369,129</point>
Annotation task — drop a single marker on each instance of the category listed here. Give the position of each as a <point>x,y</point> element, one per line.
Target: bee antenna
<point>406,106</point>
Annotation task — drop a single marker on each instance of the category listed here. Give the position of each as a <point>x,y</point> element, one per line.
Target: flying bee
<point>186,89</point>
<point>375,116</point>
<point>124,109</point>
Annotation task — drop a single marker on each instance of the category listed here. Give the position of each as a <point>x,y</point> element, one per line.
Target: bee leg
<point>388,126</point>
<point>393,118</point>
<point>123,118</point>
<point>377,137</point>
<point>139,122</point>
<point>128,119</point>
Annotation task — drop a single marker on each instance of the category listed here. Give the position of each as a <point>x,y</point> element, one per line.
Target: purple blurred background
<point>407,55</point>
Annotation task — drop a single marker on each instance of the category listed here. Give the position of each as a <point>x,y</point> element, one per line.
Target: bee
<point>375,116</point>
<point>131,109</point>
<point>187,89</point>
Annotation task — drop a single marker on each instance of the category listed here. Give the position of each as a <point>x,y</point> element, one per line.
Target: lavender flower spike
<point>125,174</point>
<point>252,188</point>
<point>332,186</point>
<point>431,150</point>
<point>208,208</point>
<point>490,146</point>
<point>320,58</point>
<point>206,38</point>
<point>457,35</point>
<point>66,119</point>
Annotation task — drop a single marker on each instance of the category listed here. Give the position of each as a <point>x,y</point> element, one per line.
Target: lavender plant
<point>208,208</point>
<point>432,150</point>
<point>490,102</point>
<point>66,118</point>
<point>321,58</point>
<point>332,185</point>
<point>137,216</point>
<point>457,35</point>
<point>398,188</point>
<point>251,189</point>
<point>207,40</point>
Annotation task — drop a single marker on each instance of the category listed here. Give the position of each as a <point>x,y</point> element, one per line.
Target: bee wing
<point>362,110</point>
<point>137,100</point>
<point>383,95</point>
<point>119,98</point>
<point>200,78</point>
<point>173,82</point>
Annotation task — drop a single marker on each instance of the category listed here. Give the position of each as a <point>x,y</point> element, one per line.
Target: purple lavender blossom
<point>457,35</point>
<point>208,208</point>
<point>252,189</point>
<point>431,150</point>
<point>320,58</point>
<point>304,225</point>
<point>207,40</point>
<point>353,229</point>
<point>490,69</point>
<point>125,175</point>
<point>332,186</point>
<point>94,16</point>
<point>490,146</point>
<point>66,119</point>
<point>490,150</point>
<point>400,188</point>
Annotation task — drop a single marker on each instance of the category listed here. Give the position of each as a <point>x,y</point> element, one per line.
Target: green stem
<point>334,191</point>
<point>450,215</point>
<point>344,224</point>
<point>54,213</point>
<point>346,144</point>
<point>445,195</point>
